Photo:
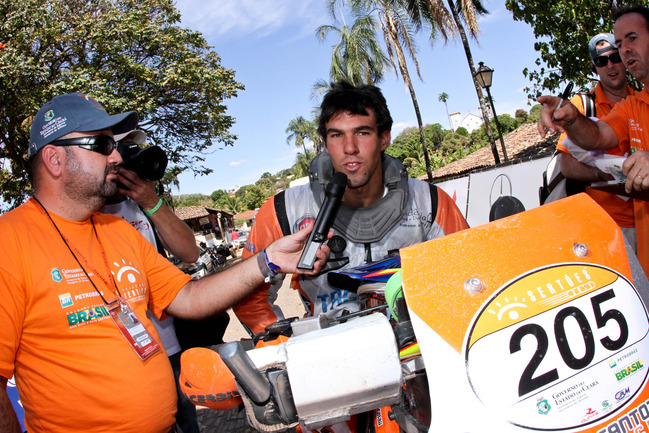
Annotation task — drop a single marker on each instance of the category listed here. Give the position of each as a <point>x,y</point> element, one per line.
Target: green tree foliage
<point>521,115</point>
<point>357,57</point>
<point>193,200</point>
<point>253,197</point>
<point>129,55</point>
<point>462,131</point>
<point>535,113</point>
<point>218,195</point>
<point>301,130</point>
<point>563,29</point>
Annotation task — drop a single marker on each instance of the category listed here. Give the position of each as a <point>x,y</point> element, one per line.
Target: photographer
<point>175,236</point>
<point>137,202</point>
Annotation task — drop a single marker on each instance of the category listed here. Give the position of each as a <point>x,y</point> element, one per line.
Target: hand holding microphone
<point>333,197</point>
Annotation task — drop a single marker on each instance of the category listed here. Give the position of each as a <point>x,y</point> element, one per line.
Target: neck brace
<point>368,224</point>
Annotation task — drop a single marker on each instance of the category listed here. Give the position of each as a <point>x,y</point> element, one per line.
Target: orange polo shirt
<point>620,210</point>
<point>629,119</point>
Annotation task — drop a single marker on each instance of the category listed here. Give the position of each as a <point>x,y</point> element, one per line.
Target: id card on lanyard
<point>132,328</point>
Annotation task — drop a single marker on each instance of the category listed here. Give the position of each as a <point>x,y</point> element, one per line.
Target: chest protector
<point>368,224</point>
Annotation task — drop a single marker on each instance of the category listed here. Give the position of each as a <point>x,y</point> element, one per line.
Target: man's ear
<point>53,157</point>
<point>385,140</point>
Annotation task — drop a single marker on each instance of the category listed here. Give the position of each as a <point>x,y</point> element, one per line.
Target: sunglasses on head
<point>602,61</point>
<point>103,144</point>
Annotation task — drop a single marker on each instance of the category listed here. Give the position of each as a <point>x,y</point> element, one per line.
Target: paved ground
<point>234,420</point>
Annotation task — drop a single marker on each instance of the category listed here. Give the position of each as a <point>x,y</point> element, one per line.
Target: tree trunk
<point>478,90</point>
<point>406,78</point>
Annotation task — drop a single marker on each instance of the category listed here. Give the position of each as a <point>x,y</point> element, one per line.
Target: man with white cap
<point>136,202</point>
<point>611,88</point>
<point>76,284</point>
<point>627,121</point>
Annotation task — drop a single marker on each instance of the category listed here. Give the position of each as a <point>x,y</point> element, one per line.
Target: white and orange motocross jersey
<point>429,213</point>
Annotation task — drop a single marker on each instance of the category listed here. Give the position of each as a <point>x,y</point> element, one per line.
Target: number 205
<point>528,382</point>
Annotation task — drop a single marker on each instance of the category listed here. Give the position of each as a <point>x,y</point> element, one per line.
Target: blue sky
<point>273,48</point>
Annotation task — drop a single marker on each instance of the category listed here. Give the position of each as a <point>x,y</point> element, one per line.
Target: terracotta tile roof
<point>522,143</point>
<point>190,212</point>
<point>248,215</point>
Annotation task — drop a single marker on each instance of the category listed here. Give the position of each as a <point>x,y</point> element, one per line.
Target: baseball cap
<point>136,136</point>
<point>602,37</point>
<point>71,113</point>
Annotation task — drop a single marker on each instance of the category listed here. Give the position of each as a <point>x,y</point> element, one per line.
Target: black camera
<point>149,163</point>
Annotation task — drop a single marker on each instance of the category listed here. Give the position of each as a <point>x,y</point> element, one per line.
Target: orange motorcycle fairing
<point>531,323</point>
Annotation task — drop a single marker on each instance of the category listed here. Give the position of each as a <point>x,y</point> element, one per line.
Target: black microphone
<point>333,197</point>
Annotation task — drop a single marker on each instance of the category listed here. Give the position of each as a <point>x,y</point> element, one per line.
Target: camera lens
<point>149,163</point>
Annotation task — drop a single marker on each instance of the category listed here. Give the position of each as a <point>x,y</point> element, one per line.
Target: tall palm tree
<point>357,58</point>
<point>234,204</point>
<point>397,32</point>
<point>299,130</point>
<point>301,166</point>
<point>448,22</point>
<point>443,97</point>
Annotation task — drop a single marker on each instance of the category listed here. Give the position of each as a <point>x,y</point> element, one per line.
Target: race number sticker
<point>559,348</point>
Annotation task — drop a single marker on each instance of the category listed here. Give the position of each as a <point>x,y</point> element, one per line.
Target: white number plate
<point>559,348</point>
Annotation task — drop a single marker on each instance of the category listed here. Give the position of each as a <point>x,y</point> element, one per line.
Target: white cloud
<point>398,127</point>
<point>241,18</point>
<point>235,163</point>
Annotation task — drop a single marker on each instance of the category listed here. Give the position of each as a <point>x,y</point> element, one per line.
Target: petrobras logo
<point>65,300</point>
<point>85,316</point>
<point>621,395</point>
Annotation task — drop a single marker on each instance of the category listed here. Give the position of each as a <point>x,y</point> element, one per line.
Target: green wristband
<point>152,211</point>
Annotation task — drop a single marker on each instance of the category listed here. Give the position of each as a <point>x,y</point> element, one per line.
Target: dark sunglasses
<point>97,143</point>
<point>602,61</point>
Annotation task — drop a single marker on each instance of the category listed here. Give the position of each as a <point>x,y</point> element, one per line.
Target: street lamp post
<point>484,75</point>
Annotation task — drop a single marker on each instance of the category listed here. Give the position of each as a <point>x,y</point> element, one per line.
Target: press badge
<point>132,329</point>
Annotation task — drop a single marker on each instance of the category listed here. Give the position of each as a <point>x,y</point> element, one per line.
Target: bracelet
<point>154,210</point>
<point>268,269</point>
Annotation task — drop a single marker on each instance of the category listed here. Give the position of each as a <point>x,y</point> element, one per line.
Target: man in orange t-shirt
<point>76,284</point>
<point>627,121</point>
<point>611,88</point>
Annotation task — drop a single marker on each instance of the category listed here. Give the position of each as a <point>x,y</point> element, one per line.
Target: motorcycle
<point>218,258</point>
<point>535,322</point>
<point>226,250</point>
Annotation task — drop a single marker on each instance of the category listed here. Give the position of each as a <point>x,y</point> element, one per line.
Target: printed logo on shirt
<point>141,225</point>
<point>56,275</point>
<point>87,316</point>
<point>74,276</point>
<point>65,300</point>
<point>130,281</point>
<point>634,125</point>
<point>303,221</point>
